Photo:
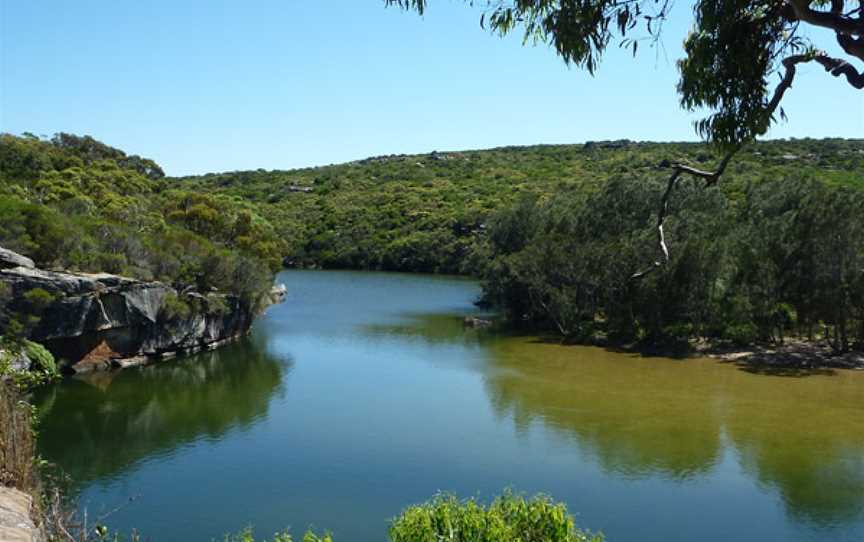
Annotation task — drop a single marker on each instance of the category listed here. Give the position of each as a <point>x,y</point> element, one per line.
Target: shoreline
<point>792,354</point>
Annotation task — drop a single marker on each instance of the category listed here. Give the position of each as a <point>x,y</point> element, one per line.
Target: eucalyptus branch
<point>833,20</point>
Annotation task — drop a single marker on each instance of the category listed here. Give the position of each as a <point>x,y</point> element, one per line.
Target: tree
<point>734,48</point>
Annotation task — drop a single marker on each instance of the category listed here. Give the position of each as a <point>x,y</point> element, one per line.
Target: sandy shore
<point>792,354</point>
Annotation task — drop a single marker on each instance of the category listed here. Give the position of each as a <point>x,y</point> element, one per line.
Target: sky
<point>216,85</point>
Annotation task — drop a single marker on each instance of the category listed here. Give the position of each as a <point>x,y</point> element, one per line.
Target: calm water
<point>363,394</point>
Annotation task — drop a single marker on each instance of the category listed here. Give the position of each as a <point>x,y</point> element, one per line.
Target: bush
<point>41,359</point>
<point>42,370</point>
<point>174,308</point>
<point>510,518</point>
<point>741,334</point>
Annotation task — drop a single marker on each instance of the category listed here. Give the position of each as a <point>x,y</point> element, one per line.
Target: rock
<point>10,259</point>
<point>278,293</point>
<point>99,320</point>
<point>474,322</point>
<point>15,522</point>
<point>18,361</point>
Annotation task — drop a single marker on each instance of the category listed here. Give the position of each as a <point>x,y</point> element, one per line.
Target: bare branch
<point>833,20</point>
<point>711,177</point>
<point>852,46</point>
<point>837,67</point>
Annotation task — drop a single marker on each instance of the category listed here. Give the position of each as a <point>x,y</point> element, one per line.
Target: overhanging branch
<point>834,20</point>
<point>711,177</point>
<point>837,67</point>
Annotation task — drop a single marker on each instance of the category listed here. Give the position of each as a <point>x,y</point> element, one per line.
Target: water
<point>363,393</point>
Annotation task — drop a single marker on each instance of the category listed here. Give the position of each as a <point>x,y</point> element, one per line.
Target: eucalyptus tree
<point>730,56</point>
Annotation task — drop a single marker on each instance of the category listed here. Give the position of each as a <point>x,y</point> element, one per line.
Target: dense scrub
<point>75,203</point>
<point>556,231</point>
<point>785,256</point>
<point>427,212</point>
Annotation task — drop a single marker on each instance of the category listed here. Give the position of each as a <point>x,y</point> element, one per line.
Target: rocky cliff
<point>96,321</point>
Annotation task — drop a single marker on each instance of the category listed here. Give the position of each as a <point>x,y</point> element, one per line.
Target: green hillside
<point>423,212</point>
<point>555,232</point>
<point>75,203</point>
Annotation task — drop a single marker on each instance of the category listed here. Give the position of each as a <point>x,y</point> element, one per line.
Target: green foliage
<point>174,308</point>
<point>428,212</point>
<point>248,535</point>
<point>78,204</point>
<point>510,518</point>
<point>42,370</point>
<point>41,358</point>
<point>733,50</point>
<point>785,257</point>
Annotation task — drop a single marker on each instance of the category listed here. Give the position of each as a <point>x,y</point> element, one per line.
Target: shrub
<point>741,334</point>
<point>216,304</point>
<point>42,370</point>
<point>42,360</point>
<point>510,518</point>
<point>38,300</point>
<point>174,308</point>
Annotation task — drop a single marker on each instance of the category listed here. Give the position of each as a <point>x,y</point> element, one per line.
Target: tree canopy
<point>730,55</point>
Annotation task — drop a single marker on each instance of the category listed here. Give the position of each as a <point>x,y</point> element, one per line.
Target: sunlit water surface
<point>362,394</point>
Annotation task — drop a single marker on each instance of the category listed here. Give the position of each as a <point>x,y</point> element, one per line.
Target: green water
<point>363,393</point>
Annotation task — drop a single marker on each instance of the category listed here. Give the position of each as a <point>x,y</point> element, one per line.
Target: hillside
<point>423,212</point>
<point>77,204</point>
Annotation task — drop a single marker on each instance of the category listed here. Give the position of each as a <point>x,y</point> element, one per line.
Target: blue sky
<point>225,85</point>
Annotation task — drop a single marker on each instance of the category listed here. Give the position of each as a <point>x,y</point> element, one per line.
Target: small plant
<point>510,518</point>
<point>248,535</point>
<point>216,304</point>
<point>174,308</point>
<point>42,368</point>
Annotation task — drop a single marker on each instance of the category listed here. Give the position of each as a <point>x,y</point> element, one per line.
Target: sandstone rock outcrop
<point>101,320</point>
<point>15,522</point>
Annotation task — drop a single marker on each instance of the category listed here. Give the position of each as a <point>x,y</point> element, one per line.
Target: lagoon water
<point>362,394</point>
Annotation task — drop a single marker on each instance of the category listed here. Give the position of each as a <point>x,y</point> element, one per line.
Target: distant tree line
<point>785,258</point>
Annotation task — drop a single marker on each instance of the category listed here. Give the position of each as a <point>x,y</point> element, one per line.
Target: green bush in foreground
<point>510,518</point>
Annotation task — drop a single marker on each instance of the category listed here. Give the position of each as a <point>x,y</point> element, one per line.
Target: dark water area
<point>363,393</point>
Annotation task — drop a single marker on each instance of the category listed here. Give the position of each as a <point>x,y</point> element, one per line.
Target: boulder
<point>472,321</point>
<point>99,320</point>
<point>9,259</point>
<point>16,524</point>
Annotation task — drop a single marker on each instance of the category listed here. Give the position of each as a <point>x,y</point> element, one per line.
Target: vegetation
<point>510,518</point>
<point>17,447</point>
<point>733,50</point>
<point>75,203</point>
<point>427,212</point>
<point>557,232</point>
<point>248,535</point>
<point>784,257</point>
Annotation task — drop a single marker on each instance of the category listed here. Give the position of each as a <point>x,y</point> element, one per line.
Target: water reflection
<point>658,417</point>
<point>430,329</point>
<point>99,426</point>
<point>391,399</point>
